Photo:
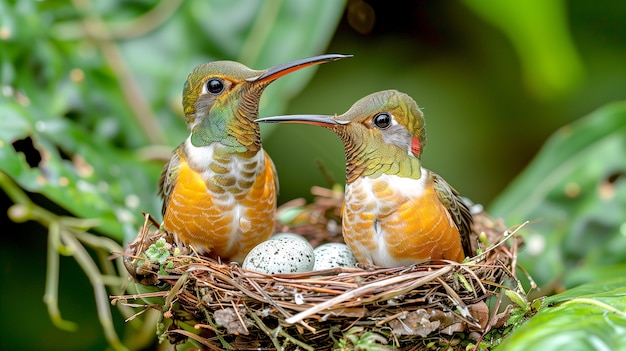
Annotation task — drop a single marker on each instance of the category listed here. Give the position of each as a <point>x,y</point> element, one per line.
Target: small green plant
<point>158,253</point>
<point>357,340</point>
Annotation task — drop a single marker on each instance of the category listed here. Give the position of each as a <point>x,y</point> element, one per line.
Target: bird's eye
<point>214,86</point>
<point>382,120</point>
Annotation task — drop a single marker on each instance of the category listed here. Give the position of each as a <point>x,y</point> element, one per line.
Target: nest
<point>422,306</point>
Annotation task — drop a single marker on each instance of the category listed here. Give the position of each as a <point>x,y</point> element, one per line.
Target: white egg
<point>285,254</point>
<point>333,255</point>
<point>287,235</point>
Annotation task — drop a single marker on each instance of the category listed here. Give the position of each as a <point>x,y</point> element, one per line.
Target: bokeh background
<point>90,101</point>
<point>492,89</point>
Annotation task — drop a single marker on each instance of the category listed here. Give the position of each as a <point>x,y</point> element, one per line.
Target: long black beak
<point>318,120</point>
<point>278,71</point>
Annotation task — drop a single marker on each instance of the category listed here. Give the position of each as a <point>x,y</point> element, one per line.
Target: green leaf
<point>83,174</point>
<point>574,195</point>
<point>539,32</point>
<point>589,317</point>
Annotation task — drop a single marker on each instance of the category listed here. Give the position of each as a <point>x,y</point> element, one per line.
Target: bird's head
<point>382,133</point>
<point>221,99</point>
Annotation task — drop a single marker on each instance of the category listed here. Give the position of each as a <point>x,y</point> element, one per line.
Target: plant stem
<point>96,29</point>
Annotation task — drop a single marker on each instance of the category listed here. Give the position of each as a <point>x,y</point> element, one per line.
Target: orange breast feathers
<point>392,221</point>
<point>220,222</point>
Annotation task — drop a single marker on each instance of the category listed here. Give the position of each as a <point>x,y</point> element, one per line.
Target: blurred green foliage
<point>589,317</point>
<point>538,31</point>
<point>574,194</point>
<point>90,109</point>
<point>484,121</point>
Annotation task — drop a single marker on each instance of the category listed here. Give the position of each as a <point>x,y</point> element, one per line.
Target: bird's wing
<point>168,177</point>
<point>458,210</point>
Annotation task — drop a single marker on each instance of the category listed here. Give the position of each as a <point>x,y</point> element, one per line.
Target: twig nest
<point>422,306</point>
<point>286,253</point>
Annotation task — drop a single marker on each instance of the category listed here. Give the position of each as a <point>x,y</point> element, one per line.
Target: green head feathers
<point>220,105</point>
<point>221,100</point>
<point>391,116</point>
<point>382,133</point>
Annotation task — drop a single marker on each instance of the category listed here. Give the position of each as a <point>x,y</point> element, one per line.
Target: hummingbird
<point>219,186</point>
<point>395,212</point>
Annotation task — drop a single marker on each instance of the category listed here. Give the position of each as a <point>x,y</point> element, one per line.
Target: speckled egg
<point>287,235</point>
<point>333,255</point>
<point>283,254</point>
